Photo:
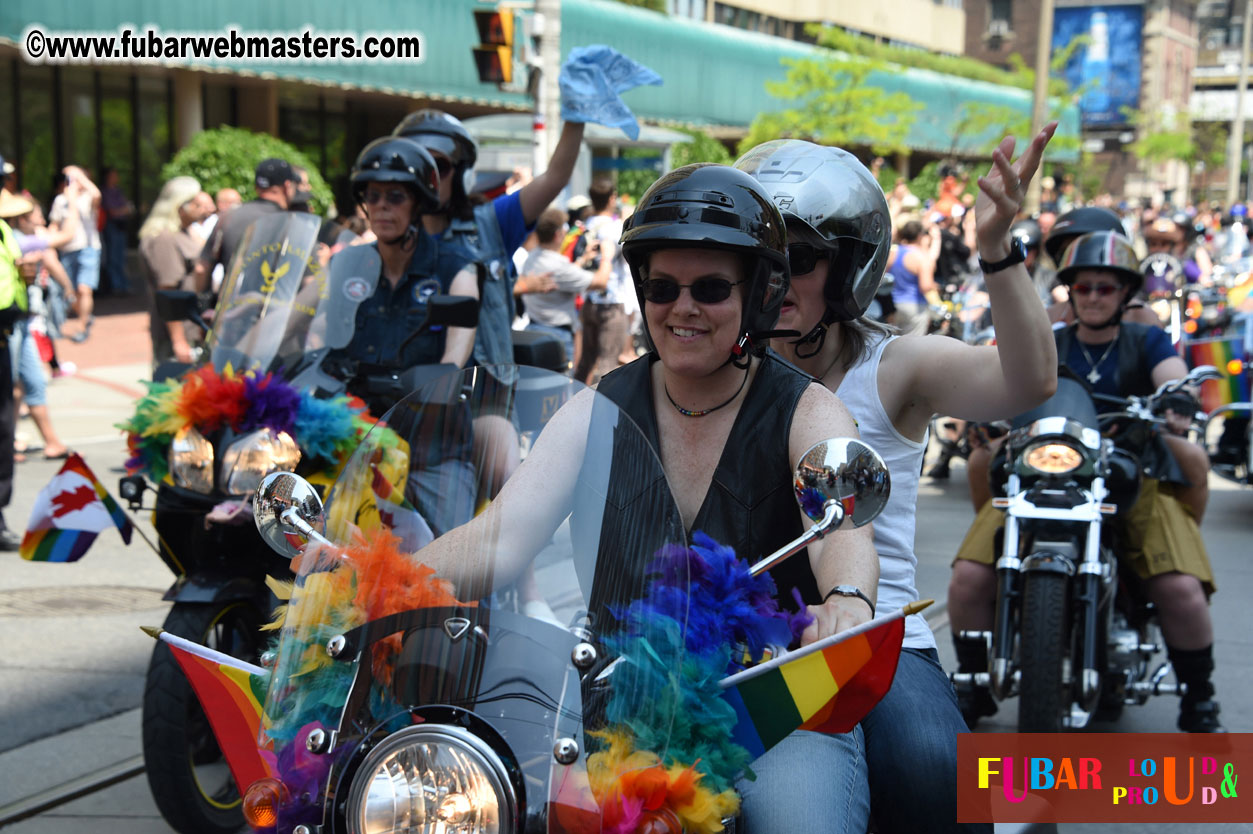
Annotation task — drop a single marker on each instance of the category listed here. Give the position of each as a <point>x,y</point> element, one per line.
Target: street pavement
<point>71,678</point>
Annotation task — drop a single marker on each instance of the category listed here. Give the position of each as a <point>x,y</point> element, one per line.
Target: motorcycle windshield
<point>468,655</point>
<point>271,308</point>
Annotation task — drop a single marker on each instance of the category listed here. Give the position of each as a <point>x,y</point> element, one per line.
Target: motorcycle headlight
<point>249,459</point>
<point>1053,457</point>
<point>191,461</point>
<point>431,780</point>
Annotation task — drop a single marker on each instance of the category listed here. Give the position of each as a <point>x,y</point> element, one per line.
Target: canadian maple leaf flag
<point>68,515</point>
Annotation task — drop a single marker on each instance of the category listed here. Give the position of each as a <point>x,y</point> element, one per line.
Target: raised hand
<point>1002,190</point>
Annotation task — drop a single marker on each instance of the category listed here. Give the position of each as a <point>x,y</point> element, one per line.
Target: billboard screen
<point>1107,64</point>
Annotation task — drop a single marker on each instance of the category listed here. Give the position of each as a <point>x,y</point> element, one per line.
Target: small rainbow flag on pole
<point>68,515</point>
<point>231,692</point>
<point>826,686</point>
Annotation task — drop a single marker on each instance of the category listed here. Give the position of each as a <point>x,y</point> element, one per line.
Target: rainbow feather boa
<point>667,750</point>
<point>205,400</point>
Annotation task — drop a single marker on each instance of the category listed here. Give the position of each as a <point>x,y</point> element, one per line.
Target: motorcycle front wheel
<point>1043,644</point>
<point>187,773</point>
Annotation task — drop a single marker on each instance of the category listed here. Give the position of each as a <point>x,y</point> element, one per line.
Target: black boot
<point>1198,711</point>
<point>975,702</point>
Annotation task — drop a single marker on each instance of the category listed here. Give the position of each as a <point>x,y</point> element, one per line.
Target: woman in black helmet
<point>837,243</point>
<point>395,181</point>
<point>729,420</point>
<point>1120,359</point>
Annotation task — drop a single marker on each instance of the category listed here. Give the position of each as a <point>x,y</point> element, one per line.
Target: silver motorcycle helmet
<point>834,208</point>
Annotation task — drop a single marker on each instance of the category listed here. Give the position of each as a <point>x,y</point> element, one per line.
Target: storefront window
<point>154,135</point>
<point>117,132</point>
<point>38,158</point>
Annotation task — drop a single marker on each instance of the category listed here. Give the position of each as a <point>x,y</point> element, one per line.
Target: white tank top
<point>894,528</point>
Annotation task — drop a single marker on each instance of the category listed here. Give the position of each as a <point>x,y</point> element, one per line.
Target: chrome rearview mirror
<point>844,471</point>
<point>288,513</point>
<point>836,480</point>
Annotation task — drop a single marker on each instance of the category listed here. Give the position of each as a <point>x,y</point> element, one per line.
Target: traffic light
<point>494,54</point>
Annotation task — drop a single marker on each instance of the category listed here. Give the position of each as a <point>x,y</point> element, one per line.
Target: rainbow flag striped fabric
<point>827,686</point>
<point>231,693</point>
<point>1218,352</point>
<point>68,515</point>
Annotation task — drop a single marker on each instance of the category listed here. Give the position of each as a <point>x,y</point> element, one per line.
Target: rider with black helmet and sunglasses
<point>1162,539</point>
<point>396,182</point>
<point>728,420</point>
<point>838,238</point>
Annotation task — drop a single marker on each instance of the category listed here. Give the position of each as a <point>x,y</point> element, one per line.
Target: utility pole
<point>1235,148</point>
<point>1040,95</point>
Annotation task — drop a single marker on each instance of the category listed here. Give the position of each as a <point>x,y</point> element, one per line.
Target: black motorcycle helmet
<point>398,160</point>
<point>832,202</point>
<point>708,206</point>
<point>1076,222</point>
<point>442,133</point>
<point>1108,252</point>
<point>1029,232</point>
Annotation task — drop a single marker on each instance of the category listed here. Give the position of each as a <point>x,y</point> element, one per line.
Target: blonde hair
<point>164,215</point>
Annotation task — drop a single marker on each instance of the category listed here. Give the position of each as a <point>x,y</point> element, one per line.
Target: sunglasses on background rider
<point>802,258</point>
<point>393,197</point>
<point>1102,290</point>
<point>703,290</point>
<point>444,166</point>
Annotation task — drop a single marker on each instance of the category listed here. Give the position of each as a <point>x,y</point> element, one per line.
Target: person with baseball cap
<point>276,183</point>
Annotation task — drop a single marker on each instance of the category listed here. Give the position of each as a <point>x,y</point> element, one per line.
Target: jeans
<point>27,369</point>
<point>115,257</point>
<point>83,267</point>
<point>809,782</point>
<point>911,747</point>
<point>564,335</point>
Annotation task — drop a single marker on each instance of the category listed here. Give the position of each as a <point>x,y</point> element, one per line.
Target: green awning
<point>714,75</point>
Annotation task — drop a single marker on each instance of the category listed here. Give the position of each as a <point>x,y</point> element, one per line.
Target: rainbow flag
<point>1218,352</point>
<point>231,692</point>
<point>68,515</point>
<point>826,686</point>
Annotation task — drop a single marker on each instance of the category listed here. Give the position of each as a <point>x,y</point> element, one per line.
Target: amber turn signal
<point>261,803</point>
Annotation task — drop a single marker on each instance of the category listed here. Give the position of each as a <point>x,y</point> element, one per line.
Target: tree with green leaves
<point>835,103</point>
<point>227,157</point>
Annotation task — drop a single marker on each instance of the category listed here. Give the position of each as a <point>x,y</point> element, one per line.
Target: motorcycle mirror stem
<point>836,479</point>
<point>287,507</point>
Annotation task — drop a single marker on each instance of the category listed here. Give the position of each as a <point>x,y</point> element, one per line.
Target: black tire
<point>189,778</point>
<point>1042,646</point>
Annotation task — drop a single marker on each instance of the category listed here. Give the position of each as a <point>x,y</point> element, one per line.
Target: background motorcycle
<point>1227,401</point>
<point>393,703</point>
<point>1072,632</point>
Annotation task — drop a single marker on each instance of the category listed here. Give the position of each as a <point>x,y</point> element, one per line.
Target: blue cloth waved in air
<point>592,81</point>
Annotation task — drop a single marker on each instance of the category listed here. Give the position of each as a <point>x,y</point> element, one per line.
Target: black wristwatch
<point>849,591</point>
<point>1017,254</point>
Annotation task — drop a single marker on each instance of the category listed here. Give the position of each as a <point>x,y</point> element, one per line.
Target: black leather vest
<point>750,505</point>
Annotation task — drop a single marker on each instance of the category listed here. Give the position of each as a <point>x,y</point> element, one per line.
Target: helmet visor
<point>440,144</point>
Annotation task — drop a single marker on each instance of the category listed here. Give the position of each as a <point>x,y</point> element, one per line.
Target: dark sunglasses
<point>1101,290</point>
<point>703,290</point>
<point>802,258</point>
<point>394,197</point>
<point>444,166</point>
